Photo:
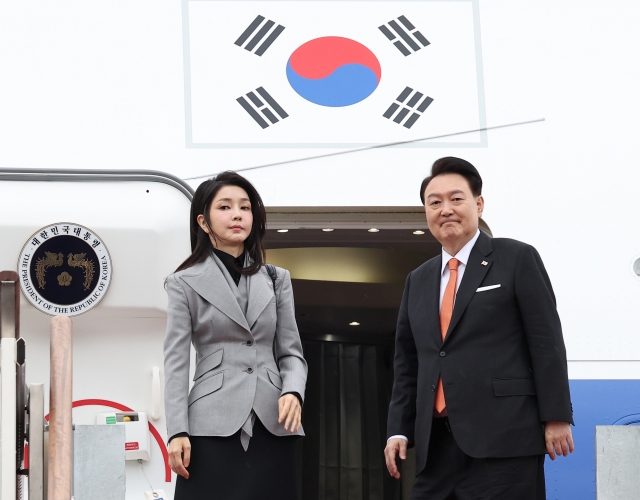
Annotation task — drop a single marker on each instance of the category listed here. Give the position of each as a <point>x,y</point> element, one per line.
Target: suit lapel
<point>212,285</point>
<point>434,275</point>
<point>474,273</point>
<point>260,294</point>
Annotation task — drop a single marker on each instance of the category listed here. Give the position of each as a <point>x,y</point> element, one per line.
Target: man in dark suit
<point>480,385</point>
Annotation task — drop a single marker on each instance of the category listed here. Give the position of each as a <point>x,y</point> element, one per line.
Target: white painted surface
<point>146,232</point>
<point>117,343</point>
<point>604,370</point>
<point>101,86</point>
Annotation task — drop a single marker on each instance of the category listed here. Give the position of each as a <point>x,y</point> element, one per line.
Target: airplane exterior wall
<point>108,86</point>
<point>116,344</point>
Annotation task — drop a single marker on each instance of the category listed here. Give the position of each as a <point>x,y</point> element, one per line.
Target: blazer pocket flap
<point>212,361</point>
<point>275,379</point>
<point>514,387</point>
<point>489,287</point>
<point>205,387</point>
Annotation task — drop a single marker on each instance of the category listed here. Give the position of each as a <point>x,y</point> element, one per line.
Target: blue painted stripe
<point>595,402</point>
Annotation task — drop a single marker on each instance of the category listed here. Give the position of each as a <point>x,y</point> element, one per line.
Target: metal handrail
<point>86,175</point>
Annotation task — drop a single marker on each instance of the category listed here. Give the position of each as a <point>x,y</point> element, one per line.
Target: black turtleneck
<point>231,263</point>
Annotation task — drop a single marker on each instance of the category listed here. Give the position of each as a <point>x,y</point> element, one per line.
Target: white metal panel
<point>98,467</point>
<point>604,370</point>
<point>617,465</point>
<point>145,227</point>
<point>36,442</point>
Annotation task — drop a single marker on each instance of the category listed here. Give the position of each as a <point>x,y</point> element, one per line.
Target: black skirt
<point>220,469</point>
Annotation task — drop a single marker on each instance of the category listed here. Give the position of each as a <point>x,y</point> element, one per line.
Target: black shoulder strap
<point>273,275</point>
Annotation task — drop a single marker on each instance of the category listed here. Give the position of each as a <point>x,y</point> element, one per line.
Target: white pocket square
<point>485,288</point>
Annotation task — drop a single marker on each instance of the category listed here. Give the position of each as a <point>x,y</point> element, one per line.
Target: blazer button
<point>250,343</point>
<point>249,370</point>
<point>433,388</point>
<point>442,354</point>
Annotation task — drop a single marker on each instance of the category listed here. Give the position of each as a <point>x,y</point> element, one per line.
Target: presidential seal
<point>65,269</point>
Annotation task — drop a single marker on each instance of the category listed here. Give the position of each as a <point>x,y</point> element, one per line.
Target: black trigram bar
<point>408,107</point>
<point>262,105</point>
<point>409,35</point>
<point>259,31</point>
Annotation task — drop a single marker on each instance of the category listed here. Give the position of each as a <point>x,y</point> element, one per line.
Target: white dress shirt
<point>463,257</point>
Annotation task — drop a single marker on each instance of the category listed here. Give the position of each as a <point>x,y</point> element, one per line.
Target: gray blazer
<point>235,367</point>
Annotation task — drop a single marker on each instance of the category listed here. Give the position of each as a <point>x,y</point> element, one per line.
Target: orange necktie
<point>446,311</point>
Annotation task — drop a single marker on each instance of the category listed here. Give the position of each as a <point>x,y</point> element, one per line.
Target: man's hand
<point>180,455</point>
<point>395,446</point>
<point>558,437</point>
<point>289,411</point>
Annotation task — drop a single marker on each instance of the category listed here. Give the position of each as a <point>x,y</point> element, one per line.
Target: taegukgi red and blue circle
<point>333,71</point>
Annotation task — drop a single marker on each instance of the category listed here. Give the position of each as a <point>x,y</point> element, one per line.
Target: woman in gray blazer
<point>232,436</point>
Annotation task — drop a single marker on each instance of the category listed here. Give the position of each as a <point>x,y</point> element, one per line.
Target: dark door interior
<point>348,286</point>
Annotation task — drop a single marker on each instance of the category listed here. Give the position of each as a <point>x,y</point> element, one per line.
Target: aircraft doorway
<point>348,268</point>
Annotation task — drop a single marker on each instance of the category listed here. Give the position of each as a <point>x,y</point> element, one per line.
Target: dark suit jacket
<point>503,361</point>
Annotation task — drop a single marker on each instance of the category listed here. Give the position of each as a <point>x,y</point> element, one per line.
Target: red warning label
<point>131,446</point>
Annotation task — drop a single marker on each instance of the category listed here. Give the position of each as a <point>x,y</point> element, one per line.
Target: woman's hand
<point>289,412</point>
<point>180,455</point>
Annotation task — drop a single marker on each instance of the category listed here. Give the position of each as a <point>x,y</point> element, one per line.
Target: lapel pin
<point>484,263</point>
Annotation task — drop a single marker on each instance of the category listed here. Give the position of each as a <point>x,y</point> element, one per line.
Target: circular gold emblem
<point>65,269</point>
